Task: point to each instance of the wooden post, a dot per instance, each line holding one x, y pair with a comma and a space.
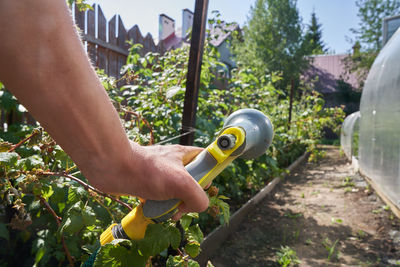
80, 19
194, 69
102, 62
121, 42
112, 56
91, 31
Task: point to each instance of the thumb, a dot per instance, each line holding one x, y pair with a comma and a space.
189, 153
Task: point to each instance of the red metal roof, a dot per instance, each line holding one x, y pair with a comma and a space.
329, 69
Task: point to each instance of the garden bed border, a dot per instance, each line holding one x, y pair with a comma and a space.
393, 207
214, 240
381, 194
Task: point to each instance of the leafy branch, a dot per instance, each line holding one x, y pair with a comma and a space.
58, 220
138, 118
20, 143
86, 186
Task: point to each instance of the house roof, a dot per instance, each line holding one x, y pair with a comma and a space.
188, 10
329, 69
168, 17
172, 42
218, 36
220, 33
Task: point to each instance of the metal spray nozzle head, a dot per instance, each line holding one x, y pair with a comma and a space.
258, 128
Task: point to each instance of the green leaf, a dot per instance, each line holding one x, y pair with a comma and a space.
65, 160
47, 191
58, 195
193, 249
88, 216
61, 206
186, 221
194, 215
5, 146
4, 232
154, 241
72, 224
194, 233
34, 140
39, 254
158, 237
8, 159
75, 194
34, 161
174, 236
223, 206
119, 253
192, 263
173, 91
178, 261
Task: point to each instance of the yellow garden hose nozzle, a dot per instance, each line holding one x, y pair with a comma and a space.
133, 226
247, 133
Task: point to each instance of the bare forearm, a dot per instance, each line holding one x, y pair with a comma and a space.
50, 74
43, 63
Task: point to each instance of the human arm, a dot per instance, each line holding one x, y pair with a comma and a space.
43, 63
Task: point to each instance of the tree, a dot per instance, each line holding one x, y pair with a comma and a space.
371, 14
272, 40
369, 34
313, 38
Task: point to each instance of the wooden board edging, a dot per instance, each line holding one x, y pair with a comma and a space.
381, 194
214, 240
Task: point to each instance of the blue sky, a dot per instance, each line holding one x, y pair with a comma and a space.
336, 16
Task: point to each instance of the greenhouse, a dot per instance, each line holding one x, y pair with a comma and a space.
379, 148
349, 135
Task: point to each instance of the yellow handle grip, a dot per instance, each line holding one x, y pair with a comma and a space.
132, 226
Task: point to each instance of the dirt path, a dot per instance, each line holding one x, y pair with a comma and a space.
326, 214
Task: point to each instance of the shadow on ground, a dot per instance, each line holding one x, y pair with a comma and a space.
321, 215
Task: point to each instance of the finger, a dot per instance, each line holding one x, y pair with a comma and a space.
182, 209
192, 195
189, 153
207, 186
177, 216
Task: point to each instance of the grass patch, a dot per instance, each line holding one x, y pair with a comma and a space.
286, 256
331, 248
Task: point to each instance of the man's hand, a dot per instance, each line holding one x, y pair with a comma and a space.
152, 172
43, 63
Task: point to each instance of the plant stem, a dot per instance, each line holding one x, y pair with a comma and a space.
140, 117
107, 209
58, 221
23, 141
88, 187
184, 257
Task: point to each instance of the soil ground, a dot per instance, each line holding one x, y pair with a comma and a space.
323, 212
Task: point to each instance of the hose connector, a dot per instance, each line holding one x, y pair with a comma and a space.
226, 141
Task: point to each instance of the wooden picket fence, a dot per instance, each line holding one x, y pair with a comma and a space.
106, 44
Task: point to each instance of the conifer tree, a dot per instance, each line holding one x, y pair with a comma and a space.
313, 38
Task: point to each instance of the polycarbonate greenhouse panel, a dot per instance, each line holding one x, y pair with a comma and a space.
349, 135
379, 147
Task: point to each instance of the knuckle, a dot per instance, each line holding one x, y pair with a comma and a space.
181, 148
